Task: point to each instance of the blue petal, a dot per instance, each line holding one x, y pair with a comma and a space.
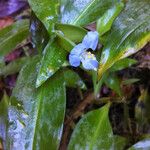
74, 60
78, 49
91, 40
89, 61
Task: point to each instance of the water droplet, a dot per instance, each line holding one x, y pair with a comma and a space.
50, 18
13, 125
105, 56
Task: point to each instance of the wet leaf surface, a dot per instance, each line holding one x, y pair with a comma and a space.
130, 32
13, 35
83, 12
39, 34
52, 60
46, 11
93, 131
105, 22
36, 115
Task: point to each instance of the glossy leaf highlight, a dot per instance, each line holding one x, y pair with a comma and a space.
105, 22
93, 131
36, 115
53, 59
39, 34
46, 11
130, 32
13, 35
83, 12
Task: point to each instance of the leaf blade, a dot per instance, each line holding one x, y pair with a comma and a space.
105, 22
46, 11
52, 60
13, 35
130, 32
93, 134
36, 115
84, 12
4, 103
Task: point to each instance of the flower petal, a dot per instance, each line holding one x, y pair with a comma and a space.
74, 60
91, 40
89, 61
78, 49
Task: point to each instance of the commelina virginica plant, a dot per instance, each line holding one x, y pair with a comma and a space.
73, 90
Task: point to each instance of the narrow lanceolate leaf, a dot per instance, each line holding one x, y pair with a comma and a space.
83, 12
93, 131
13, 35
39, 34
3, 118
52, 60
36, 115
46, 11
105, 22
130, 32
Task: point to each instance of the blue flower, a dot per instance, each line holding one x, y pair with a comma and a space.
79, 52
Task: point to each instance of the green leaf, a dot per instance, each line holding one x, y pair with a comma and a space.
39, 34
141, 145
13, 35
113, 82
122, 64
119, 142
73, 33
52, 60
14, 66
83, 12
130, 81
3, 118
2, 62
72, 79
64, 42
105, 22
142, 109
93, 131
36, 116
130, 32
46, 11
